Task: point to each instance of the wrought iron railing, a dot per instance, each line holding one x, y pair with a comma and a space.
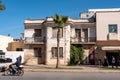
86, 39
34, 39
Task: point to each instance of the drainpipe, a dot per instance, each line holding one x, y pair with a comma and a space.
89, 35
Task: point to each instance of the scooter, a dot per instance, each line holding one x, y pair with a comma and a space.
18, 72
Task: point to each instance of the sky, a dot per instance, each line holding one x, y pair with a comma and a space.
17, 11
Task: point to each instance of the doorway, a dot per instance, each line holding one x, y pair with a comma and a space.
115, 54
39, 55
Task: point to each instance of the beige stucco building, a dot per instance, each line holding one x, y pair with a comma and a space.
15, 46
108, 34
41, 43
97, 31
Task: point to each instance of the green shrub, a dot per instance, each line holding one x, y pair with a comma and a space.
76, 55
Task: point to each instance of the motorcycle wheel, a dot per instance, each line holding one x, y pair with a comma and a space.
8, 72
20, 72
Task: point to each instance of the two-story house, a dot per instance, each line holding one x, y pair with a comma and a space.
41, 39
97, 31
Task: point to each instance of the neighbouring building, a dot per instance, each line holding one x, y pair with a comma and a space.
97, 31
11, 48
108, 34
15, 49
16, 46
4, 41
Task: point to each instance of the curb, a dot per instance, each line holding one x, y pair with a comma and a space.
53, 70
86, 69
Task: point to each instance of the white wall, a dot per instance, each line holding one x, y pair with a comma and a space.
28, 33
64, 42
103, 19
4, 40
13, 55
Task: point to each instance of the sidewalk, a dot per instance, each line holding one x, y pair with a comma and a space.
81, 68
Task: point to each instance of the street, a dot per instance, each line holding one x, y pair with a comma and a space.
63, 76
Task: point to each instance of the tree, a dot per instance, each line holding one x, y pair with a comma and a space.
2, 7
76, 55
60, 22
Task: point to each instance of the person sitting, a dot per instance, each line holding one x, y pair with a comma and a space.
15, 65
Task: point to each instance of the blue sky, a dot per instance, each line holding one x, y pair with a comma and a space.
12, 19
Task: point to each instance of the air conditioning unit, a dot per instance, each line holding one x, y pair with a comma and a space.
113, 36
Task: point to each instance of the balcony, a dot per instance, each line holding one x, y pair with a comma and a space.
34, 40
87, 40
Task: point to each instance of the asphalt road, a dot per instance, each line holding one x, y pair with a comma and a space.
63, 76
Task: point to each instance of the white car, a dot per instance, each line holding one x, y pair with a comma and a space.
4, 63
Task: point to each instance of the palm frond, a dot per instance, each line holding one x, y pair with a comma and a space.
60, 20
64, 19
2, 7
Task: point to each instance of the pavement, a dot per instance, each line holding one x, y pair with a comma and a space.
79, 68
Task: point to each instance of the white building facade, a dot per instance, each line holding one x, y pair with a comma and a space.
4, 41
97, 31
41, 39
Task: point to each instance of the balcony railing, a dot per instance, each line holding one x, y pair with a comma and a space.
84, 40
34, 40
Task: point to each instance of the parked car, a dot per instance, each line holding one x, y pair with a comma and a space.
4, 63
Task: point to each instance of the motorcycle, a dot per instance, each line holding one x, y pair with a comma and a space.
18, 72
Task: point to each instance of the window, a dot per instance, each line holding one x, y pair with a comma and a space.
78, 33
54, 32
38, 32
19, 49
113, 28
54, 52
87, 16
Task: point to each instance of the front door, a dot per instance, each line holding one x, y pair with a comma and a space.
39, 55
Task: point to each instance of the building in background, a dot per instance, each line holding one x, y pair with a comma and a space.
108, 34
4, 41
41, 39
12, 48
16, 46
97, 31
